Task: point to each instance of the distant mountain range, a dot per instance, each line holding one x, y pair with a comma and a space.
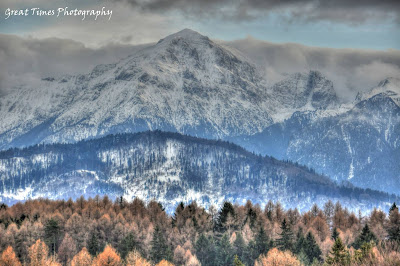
360, 145
171, 168
189, 84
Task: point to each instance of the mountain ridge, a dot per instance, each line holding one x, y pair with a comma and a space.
172, 168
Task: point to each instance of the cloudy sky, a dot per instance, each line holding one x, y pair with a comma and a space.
374, 24
344, 39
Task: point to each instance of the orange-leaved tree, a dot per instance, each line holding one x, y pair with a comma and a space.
52, 261
165, 263
83, 258
135, 259
276, 257
8, 258
38, 253
109, 257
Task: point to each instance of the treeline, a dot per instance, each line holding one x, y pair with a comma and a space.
99, 231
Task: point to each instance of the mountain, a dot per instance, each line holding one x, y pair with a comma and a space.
184, 83
389, 87
302, 92
171, 168
187, 83
360, 145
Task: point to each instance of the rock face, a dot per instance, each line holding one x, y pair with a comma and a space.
302, 92
171, 168
189, 84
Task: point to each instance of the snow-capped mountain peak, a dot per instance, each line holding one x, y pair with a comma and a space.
309, 91
186, 34
389, 87
184, 83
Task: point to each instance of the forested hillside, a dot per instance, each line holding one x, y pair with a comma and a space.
99, 231
170, 168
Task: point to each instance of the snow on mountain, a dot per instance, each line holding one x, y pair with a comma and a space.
302, 92
359, 143
389, 87
171, 168
189, 84
184, 83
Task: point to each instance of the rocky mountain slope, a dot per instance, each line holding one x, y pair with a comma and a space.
171, 168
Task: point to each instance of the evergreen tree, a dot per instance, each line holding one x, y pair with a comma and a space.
226, 210
52, 235
93, 244
225, 255
364, 253
335, 234
302, 257
128, 244
159, 247
366, 236
251, 253
262, 242
339, 254
205, 250
393, 207
393, 228
237, 262
311, 248
177, 213
201, 248
285, 240
252, 216
300, 241
239, 247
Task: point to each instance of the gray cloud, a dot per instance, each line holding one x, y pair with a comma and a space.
345, 11
351, 70
27, 60
127, 25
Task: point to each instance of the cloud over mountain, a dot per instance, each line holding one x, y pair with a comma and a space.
351, 70
27, 60
352, 12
